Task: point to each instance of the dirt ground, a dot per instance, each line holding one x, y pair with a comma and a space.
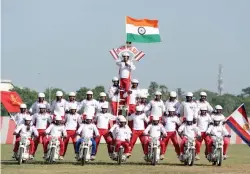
238, 162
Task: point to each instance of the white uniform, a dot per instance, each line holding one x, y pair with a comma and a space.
189, 130
102, 120
72, 121
100, 104
204, 104
221, 116
132, 96
112, 96
19, 118
125, 70
70, 103
35, 107
170, 123
59, 107
169, 104
23, 130
88, 130
188, 109
41, 121
56, 130
138, 121
203, 122
155, 130
157, 108
89, 106
122, 133
217, 130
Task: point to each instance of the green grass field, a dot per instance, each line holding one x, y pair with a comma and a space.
238, 162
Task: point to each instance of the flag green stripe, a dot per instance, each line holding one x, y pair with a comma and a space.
148, 38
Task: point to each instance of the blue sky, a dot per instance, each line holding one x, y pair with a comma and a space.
65, 44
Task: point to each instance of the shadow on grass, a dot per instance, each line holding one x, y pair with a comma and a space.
33, 162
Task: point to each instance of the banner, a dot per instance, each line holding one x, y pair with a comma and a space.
11, 101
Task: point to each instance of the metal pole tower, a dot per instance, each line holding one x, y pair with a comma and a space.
220, 80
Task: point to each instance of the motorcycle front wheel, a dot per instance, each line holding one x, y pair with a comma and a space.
84, 156
119, 157
191, 157
20, 159
51, 155
154, 156
219, 157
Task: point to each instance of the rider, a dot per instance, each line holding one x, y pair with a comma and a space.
59, 105
170, 122
113, 95
172, 101
155, 129
121, 135
203, 121
217, 129
41, 100
138, 126
25, 129
56, 129
72, 101
218, 114
187, 130
203, 103
89, 105
102, 101
87, 130
19, 117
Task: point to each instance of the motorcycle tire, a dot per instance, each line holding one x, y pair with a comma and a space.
84, 156
154, 156
191, 157
20, 159
52, 154
119, 156
219, 157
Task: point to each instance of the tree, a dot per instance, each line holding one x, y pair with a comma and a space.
153, 87
164, 91
50, 94
81, 93
97, 90
246, 92
180, 94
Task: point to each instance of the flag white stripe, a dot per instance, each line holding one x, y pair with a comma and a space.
134, 29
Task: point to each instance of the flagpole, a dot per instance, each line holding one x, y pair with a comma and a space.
125, 33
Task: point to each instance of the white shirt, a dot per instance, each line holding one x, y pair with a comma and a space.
187, 108
112, 95
132, 96
170, 123
89, 106
189, 130
175, 104
157, 108
100, 104
125, 70
88, 130
59, 107
217, 130
203, 122
72, 121
56, 130
35, 107
102, 120
155, 130
70, 103
41, 121
122, 133
19, 118
23, 130
138, 121
204, 104
221, 116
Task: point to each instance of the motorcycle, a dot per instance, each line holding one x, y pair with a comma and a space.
23, 150
120, 157
189, 151
84, 151
216, 157
53, 150
154, 151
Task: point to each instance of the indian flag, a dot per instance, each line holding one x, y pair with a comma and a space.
142, 30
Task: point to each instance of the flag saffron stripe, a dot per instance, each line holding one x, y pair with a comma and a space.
142, 22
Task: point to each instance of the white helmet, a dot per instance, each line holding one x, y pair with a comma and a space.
173, 94
105, 106
155, 118
73, 106
189, 118
122, 119
23, 106
27, 118
134, 81
158, 93
189, 94
203, 94
143, 96
218, 107
103, 94
58, 118
139, 108
42, 106
203, 108
171, 109
89, 93
89, 117
125, 54
59, 94
72, 94
115, 79
41, 95
216, 118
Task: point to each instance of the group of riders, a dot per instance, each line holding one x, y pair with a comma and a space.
103, 118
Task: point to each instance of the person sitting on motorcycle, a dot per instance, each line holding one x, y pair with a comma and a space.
121, 135
22, 130
155, 129
87, 130
187, 130
56, 129
218, 114
217, 129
